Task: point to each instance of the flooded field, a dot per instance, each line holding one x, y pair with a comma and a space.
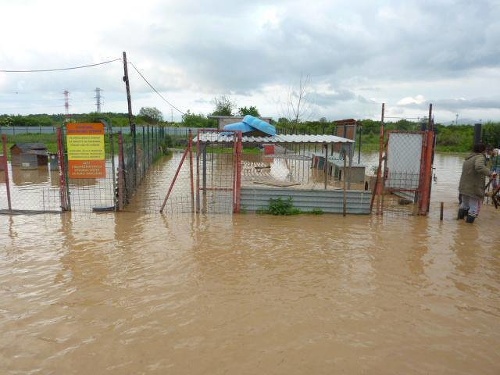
144, 293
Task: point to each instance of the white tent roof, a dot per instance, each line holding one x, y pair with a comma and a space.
225, 137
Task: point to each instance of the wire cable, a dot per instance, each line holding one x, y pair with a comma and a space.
156, 91
89, 66
58, 69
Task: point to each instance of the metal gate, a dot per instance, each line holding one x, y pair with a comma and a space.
208, 177
404, 175
48, 187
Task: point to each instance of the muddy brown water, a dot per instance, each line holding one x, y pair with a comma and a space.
136, 293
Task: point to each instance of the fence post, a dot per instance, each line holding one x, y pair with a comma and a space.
63, 172
428, 159
121, 178
425, 190
6, 170
378, 190
109, 130
238, 170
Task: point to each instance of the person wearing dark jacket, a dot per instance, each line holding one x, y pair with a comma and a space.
471, 185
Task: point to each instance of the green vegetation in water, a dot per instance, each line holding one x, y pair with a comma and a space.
317, 211
281, 207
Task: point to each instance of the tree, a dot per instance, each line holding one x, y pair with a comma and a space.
223, 106
190, 120
5, 120
151, 115
370, 127
252, 111
491, 134
298, 105
283, 121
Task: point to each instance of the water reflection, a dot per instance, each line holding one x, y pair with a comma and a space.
195, 294
28, 177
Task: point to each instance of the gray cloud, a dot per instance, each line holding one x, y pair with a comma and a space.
359, 54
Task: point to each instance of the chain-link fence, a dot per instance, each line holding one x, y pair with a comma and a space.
405, 173
205, 178
30, 181
44, 184
218, 171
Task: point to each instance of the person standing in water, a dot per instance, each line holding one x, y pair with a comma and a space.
495, 167
471, 185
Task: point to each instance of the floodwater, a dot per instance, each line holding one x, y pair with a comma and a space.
137, 293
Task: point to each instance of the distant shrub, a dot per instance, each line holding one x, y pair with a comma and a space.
279, 206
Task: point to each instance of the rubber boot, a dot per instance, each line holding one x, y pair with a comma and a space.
470, 219
462, 213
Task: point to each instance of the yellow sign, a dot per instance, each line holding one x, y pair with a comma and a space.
86, 153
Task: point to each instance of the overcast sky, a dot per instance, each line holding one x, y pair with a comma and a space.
353, 55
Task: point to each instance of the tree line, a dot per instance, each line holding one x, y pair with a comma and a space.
450, 138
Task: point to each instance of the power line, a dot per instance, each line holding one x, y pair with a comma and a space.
156, 91
93, 65
58, 69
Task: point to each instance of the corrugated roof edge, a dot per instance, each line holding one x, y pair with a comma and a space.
279, 138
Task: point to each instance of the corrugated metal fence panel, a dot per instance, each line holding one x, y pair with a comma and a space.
328, 201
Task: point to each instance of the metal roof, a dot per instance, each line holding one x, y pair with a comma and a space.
30, 146
226, 137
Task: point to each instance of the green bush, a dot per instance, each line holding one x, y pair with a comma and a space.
317, 211
279, 206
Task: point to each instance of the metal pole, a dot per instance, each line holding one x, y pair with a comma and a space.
238, 149
6, 170
62, 158
121, 178
477, 133
428, 156
325, 165
109, 130
344, 197
174, 180
359, 129
204, 177
378, 189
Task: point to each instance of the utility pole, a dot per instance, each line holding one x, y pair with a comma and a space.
66, 104
127, 86
130, 121
98, 99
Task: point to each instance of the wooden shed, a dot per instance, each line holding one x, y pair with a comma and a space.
29, 155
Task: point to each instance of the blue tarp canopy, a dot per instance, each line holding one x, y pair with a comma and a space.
251, 124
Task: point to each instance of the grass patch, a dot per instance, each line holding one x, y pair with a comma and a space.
48, 139
280, 207
317, 211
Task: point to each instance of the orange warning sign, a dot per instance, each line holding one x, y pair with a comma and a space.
86, 152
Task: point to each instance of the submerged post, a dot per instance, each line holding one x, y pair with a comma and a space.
344, 197
6, 170
130, 121
427, 160
325, 165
